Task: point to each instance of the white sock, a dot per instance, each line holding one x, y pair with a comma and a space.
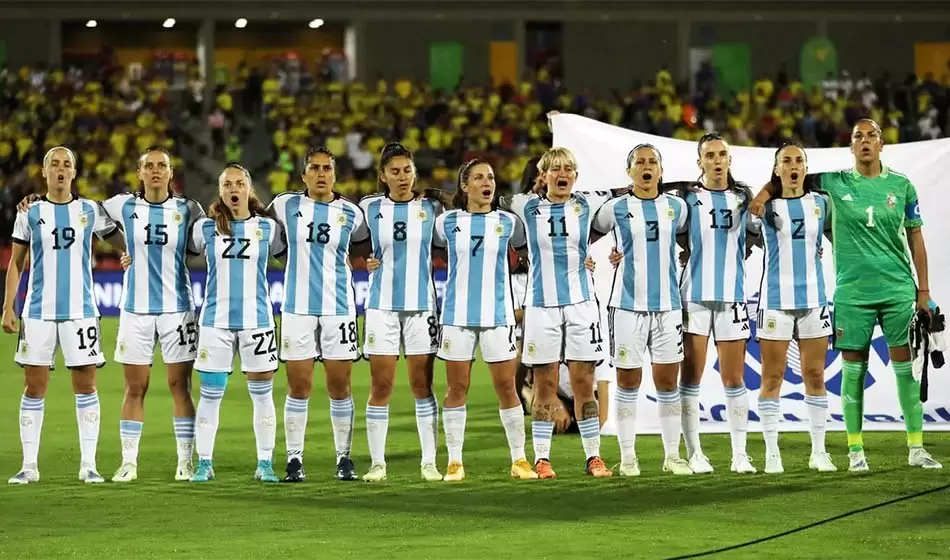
817, 420
377, 426
206, 416
769, 413
689, 398
590, 436
670, 411
737, 408
453, 420
31, 426
513, 421
87, 416
184, 437
265, 418
341, 418
130, 432
295, 426
626, 402
541, 433
427, 424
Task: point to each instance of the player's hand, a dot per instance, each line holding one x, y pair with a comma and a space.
589, 264
684, 257
757, 208
9, 321
372, 264
562, 420
125, 260
615, 257
24, 204
923, 303
551, 115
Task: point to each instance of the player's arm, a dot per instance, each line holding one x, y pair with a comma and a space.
827, 226
918, 250
21, 240
603, 223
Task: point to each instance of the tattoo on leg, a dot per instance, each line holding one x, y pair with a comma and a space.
543, 412
589, 410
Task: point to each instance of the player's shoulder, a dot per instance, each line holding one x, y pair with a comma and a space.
285, 197
506, 215
673, 199
452, 213
895, 177
365, 202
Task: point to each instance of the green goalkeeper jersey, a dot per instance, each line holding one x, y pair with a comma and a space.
869, 222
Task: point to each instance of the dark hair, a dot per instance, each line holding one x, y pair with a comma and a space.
659, 182
460, 200
314, 151
221, 213
739, 188
530, 175
775, 182
141, 162
390, 151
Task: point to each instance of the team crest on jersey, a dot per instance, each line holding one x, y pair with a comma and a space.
578, 209
531, 349
670, 213
177, 217
341, 219
83, 220
891, 200
259, 233
499, 229
203, 355
623, 352
817, 211
422, 215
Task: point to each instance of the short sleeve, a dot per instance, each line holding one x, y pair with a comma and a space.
360, 230
682, 217
437, 208
104, 226
604, 219
518, 239
113, 207
596, 199
21, 228
196, 244
278, 208
195, 211
827, 209
438, 237
912, 218
518, 203
278, 240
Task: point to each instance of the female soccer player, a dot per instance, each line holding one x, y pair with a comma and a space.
60, 308
237, 316
319, 311
713, 289
645, 307
562, 319
877, 207
401, 306
792, 302
478, 310
156, 303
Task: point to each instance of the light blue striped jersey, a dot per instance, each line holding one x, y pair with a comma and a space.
717, 245
478, 284
318, 280
558, 235
236, 290
156, 236
792, 230
59, 237
401, 233
645, 232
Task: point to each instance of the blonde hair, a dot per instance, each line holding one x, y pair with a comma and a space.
554, 156
49, 155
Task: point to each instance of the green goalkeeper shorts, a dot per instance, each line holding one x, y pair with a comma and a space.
854, 324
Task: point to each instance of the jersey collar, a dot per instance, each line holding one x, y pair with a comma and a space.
884, 172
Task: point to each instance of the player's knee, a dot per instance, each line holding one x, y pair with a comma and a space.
814, 378
135, 389
34, 389
300, 386
381, 387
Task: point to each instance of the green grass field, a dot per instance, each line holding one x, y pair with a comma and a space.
486, 516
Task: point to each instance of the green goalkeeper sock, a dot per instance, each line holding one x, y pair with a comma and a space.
852, 402
908, 393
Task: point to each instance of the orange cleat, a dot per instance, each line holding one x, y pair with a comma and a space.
544, 470
597, 468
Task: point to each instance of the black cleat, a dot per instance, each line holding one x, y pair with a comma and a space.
345, 469
295, 471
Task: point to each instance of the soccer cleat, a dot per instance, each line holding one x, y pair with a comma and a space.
699, 463
345, 469
265, 472
742, 464
430, 473
857, 462
295, 471
126, 473
630, 468
90, 475
544, 470
205, 471
377, 473
675, 465
597, 468
26, 476
521, 469
821, 462
919, 457
185, 471
773, 464
455, 472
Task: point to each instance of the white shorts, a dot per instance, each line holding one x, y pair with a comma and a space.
177, 335
775, 324
457, 344
554, 334
723, 321
417, 332
216, 349
633, 333
308, 337
79, 340
519, 286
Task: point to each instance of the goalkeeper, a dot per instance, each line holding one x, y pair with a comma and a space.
876, 218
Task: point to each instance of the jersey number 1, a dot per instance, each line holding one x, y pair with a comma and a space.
870, 212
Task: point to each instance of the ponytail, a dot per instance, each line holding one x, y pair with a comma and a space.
222, 215
460, 200
390, 151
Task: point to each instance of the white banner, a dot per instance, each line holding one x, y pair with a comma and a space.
601, 151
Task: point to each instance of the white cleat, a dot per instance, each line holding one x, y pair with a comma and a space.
742, 464
675, 465
377, 473
821, 462
699, 463
630, 468
126, 473
773, 464
919, 457
185, 471
90, 475
857, 462
430, 473
26, 476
